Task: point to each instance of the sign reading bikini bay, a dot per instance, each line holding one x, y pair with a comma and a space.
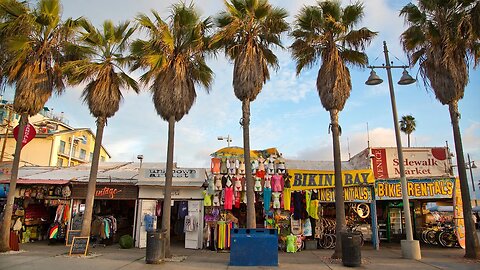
306, 179
436, 188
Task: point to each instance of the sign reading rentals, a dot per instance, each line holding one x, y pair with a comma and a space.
417, 189
350, 194
419, 162
305, 179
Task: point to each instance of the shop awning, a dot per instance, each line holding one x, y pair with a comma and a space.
37, 182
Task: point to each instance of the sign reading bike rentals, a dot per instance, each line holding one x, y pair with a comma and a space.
417, 189
419, 162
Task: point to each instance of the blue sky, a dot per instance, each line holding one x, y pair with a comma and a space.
287, 114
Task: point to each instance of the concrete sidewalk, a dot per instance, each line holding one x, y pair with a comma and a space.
44, 257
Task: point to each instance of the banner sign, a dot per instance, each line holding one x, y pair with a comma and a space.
350, 194
417, 189
177, 173
458, 214
419, 162
305, 179
28, 134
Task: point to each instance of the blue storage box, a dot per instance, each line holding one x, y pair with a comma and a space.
254, 247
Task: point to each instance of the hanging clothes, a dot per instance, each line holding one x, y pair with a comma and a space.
299, 205
228, 198
267, 194
286, 199
182, 209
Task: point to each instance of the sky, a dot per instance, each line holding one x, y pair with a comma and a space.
287, 114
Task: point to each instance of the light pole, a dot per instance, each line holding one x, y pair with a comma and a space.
229, 140
471, 165
72, 141
410, 247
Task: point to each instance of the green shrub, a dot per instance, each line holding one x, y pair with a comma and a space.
126, 241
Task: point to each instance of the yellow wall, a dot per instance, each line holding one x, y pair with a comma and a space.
46, 151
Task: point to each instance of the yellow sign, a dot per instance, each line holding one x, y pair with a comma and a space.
458, 214
304, 179
417, 188
350, 194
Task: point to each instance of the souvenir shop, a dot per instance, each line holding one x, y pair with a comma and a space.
41, 210
390, 214
225, 193
113, 210
187, 212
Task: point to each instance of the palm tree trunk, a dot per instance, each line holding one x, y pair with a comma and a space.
339, 202
408, 137
167, 208
251, 220
92, 180
7, 214
472, 248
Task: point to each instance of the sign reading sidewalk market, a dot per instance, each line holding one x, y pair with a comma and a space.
305, 179
419, 162
436, 188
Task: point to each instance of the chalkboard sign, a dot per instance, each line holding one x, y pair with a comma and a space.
70, 235
79, 245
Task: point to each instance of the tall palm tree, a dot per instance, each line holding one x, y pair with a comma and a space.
102, 69
34, 45
325, 33
248, 29
443, 38
174, 60
408, 125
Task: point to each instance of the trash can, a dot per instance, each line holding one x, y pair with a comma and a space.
155, 247
351, 253
254, 247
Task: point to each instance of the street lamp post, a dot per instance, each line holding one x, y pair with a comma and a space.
471, 165
72, 141
410, 247
229, 140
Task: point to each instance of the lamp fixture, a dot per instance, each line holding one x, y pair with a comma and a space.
406, 78
373, 79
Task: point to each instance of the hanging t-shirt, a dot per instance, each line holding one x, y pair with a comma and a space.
307, 227
299, 205
182, 209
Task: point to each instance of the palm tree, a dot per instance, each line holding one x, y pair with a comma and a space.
34, 45
174, 60
247, 31
408, 125
443, 38
325, 33
102, 69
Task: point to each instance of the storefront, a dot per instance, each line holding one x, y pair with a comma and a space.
429, 179
113, 210
388, 194
318, 188
41, 209
187, 213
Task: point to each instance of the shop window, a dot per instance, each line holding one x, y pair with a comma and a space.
62, 147
83, 153
91, 156
60, 162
